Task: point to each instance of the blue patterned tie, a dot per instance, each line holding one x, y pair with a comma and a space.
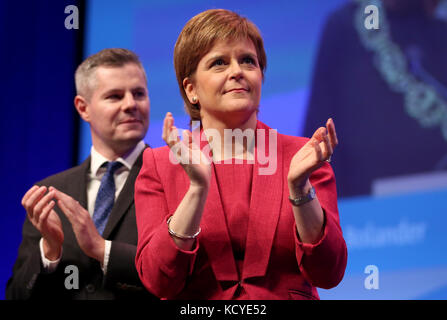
105, 197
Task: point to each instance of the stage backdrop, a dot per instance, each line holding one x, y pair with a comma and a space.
394, 231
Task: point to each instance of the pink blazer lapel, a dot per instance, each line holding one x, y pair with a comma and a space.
265, 205
217, 243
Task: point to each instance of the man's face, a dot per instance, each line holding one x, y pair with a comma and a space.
118, 110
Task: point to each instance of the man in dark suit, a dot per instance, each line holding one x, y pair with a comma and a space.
80, 234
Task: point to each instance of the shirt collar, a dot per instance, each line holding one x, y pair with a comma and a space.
97, 159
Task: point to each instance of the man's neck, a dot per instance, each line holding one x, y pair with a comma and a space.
113, 153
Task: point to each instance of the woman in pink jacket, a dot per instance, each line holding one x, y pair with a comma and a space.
235, 210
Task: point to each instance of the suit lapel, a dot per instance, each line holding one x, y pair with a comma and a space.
217, 243
265, 207
77, 188
125, 198
74, 185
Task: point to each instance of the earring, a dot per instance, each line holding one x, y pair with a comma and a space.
194, 99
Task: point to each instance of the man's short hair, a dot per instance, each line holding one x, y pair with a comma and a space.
114, 57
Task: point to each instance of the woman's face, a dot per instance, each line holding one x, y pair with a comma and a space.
227, 83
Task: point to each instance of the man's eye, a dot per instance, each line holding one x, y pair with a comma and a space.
114, 97
140, 94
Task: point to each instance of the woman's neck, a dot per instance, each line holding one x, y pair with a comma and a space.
231, 139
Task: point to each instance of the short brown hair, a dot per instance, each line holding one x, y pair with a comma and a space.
114, 57
198, 37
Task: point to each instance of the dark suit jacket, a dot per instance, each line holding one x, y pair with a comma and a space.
121, 280
277, 265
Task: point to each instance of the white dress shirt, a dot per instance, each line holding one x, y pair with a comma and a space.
94, 177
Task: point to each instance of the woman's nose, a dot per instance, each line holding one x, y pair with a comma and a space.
235, 70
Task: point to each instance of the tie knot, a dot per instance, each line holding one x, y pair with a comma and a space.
112, 166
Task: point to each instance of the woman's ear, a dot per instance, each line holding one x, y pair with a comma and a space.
190, 90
